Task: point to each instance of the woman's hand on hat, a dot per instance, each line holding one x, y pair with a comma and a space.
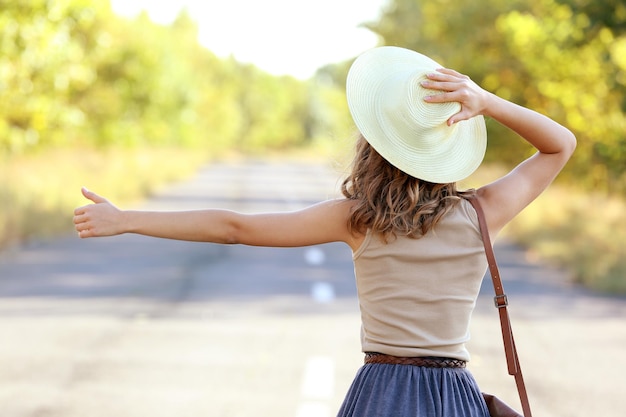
458, 88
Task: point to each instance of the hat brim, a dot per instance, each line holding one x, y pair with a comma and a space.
462, 146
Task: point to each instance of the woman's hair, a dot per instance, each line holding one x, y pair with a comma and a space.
390, 202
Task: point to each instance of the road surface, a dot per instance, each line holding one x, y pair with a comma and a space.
133, 327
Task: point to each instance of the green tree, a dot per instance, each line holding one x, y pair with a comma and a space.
580, 78
42, 61
274, 111
560, 59
72, 72
609, 14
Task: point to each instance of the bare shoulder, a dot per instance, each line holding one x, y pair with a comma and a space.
353, 238
336, 215
338, 209
494, 208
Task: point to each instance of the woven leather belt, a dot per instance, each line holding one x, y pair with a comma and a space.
427, 361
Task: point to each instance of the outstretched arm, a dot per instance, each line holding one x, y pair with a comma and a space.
321, 223
506, 197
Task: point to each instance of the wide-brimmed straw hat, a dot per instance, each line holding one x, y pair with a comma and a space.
386, 101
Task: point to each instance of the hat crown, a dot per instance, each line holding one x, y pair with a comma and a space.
386, 101
423, 125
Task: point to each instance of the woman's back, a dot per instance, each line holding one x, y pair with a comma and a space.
417, 295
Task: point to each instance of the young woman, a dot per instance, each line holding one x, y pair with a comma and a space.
416, 243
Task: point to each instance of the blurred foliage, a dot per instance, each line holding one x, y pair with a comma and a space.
73, 73
122, 105
561, 229
39, 191
79, 83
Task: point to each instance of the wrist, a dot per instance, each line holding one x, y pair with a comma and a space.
125, 222
491, 104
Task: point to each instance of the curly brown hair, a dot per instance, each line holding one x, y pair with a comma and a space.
390, 202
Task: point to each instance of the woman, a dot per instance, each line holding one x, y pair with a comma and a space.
416, 244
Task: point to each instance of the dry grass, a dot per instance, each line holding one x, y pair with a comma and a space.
584, 233
39, 192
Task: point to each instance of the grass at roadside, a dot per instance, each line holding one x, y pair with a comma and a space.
584, 233
39, 192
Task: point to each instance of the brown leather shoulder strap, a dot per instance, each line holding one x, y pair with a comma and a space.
501, 302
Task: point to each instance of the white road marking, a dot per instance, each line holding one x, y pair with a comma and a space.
318, 378
314, 256
322, 292
313, 409
317, 387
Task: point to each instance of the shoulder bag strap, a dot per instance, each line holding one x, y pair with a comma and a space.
501, 302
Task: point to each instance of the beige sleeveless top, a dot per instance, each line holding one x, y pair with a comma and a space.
417, 295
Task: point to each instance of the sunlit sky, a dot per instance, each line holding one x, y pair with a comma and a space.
293, 37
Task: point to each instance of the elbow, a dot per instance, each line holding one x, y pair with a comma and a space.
223, 227
570, 143
231, 235
571, 140
562, 143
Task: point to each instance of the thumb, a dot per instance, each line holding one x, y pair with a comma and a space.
459, 117
90, 195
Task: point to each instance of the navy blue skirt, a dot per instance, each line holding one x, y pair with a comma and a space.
383, 390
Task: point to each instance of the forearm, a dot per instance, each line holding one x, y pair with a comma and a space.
198, 225
546, 135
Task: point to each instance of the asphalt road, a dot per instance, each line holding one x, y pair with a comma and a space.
132, 326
